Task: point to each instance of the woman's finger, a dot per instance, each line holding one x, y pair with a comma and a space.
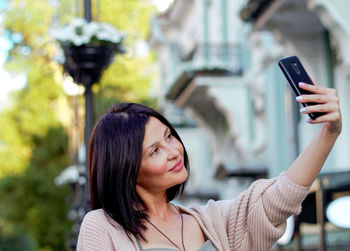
316, 98
315, 88
327, 108
329, 117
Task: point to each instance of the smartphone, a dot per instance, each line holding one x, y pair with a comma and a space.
294, 72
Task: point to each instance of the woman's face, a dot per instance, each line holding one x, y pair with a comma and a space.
162, 164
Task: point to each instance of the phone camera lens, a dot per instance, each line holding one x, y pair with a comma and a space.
295, 67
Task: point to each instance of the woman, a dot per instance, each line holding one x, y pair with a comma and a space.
138, 164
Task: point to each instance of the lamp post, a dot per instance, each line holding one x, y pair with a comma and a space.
87, 10
89, 111
85, 64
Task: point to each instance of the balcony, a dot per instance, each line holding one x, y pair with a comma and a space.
204, 59
291, 18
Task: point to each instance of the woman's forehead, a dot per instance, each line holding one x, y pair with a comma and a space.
154, 125
154, 129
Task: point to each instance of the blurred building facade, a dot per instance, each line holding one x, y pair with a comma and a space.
217, 60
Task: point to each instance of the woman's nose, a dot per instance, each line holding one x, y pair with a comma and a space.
173, 153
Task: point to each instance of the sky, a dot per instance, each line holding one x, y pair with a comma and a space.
162, 5
10, 82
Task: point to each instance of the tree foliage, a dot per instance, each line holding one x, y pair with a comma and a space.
128, 78
31, 202
33, 137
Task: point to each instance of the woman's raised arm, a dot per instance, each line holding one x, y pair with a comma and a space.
307, 166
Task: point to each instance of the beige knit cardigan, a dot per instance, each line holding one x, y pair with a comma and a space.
253, 221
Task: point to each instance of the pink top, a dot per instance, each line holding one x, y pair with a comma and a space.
253, 221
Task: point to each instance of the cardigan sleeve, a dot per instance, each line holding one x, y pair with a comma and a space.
257, 218
93, 235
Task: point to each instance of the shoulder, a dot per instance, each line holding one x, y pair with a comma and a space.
95, 223
99, 220
97, 215
94, 215
99, 232
95, 218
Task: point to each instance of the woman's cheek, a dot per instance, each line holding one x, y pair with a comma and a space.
180, 148
157, 166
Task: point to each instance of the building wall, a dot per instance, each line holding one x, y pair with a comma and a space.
258, 105
196, 142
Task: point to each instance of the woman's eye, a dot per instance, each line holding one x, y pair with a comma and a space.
155, 151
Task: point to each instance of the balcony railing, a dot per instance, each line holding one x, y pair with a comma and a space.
206, 57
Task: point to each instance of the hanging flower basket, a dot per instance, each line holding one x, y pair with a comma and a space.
87, 61
88, 48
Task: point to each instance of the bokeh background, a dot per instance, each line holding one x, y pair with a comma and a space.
210, 67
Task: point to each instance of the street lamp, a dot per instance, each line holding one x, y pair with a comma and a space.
85, 62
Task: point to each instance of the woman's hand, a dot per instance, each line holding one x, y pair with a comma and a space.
307, 166
327, 102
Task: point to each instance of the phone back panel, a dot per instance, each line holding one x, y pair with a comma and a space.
295, 72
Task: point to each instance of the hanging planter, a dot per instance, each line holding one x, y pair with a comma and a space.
87, 61
88, 48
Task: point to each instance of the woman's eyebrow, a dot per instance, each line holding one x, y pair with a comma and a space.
165, 132
155, 143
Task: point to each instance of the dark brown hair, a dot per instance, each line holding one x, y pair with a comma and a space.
115, 153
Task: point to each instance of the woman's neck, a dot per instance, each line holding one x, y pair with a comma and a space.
160, 212
156, 205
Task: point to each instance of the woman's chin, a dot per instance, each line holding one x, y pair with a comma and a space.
180, 178
184, 176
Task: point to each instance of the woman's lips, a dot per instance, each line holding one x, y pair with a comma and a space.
178, 166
